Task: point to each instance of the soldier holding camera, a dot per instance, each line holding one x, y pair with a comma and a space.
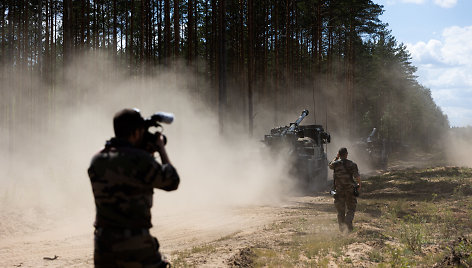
123, 177
345, 189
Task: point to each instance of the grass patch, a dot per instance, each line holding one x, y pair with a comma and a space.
180, 258
304, 243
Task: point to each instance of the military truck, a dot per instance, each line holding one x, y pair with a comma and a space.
303, 146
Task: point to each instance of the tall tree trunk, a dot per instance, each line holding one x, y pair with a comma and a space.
176, 29
277, 64
150, 31
53, 41
159, 31
195, 32
320, 38
26, 35
95, 27
126, 32
142, 33
39, 43
264, 62
115, 28
47, 62
222, 65
213, 44
132, 56
288, 35
191, 35
167, 37
87, 27
250, 65
350, 75
104, 29
3, 35
67, 31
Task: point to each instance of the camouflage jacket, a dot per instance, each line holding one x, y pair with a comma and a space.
344, 172
123, 179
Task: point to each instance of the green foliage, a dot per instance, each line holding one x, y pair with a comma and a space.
464, 249
401, 258
413, 235
392, 100
376, 255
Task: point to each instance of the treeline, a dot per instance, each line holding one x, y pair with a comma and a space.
334, 56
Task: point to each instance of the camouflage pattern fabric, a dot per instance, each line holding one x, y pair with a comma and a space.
344, 199
345, 203
123, 179
115, 248
344, 172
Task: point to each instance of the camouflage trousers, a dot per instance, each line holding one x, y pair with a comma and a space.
345, 203
126, 248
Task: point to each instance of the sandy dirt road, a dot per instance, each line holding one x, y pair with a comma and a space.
36, 243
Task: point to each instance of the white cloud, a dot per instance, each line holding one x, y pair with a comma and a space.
446, 3
445, 66
441, 3
414, 1
458, 116
458, 45
426, 52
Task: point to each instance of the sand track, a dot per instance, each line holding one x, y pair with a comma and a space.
73, 242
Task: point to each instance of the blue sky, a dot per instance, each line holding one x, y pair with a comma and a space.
438, 35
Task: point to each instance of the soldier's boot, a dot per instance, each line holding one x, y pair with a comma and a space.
341, 222
348, 220
350, 228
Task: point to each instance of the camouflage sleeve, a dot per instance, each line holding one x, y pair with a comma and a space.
168, 180
163, 177
354, 170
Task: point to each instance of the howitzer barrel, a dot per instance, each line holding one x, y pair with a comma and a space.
372, 135
299, 120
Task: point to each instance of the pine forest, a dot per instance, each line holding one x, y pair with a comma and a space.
334, 57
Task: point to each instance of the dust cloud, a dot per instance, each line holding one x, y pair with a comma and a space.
458, 146
43, 178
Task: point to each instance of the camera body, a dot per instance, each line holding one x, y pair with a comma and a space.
332, 192
150, 139
356, 190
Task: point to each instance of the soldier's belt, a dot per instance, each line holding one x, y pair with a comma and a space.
121, 231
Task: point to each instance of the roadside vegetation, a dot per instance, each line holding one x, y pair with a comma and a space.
407, 218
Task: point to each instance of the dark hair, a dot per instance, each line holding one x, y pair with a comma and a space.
126, 122
342, 151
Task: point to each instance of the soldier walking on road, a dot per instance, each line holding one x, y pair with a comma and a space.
123, 177
346, 189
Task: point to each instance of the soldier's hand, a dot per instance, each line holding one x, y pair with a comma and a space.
160, 143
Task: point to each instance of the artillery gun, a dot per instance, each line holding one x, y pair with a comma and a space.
374, 149
303, 147
377, 150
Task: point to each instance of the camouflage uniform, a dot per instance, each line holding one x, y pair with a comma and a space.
344, 172
123, 178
